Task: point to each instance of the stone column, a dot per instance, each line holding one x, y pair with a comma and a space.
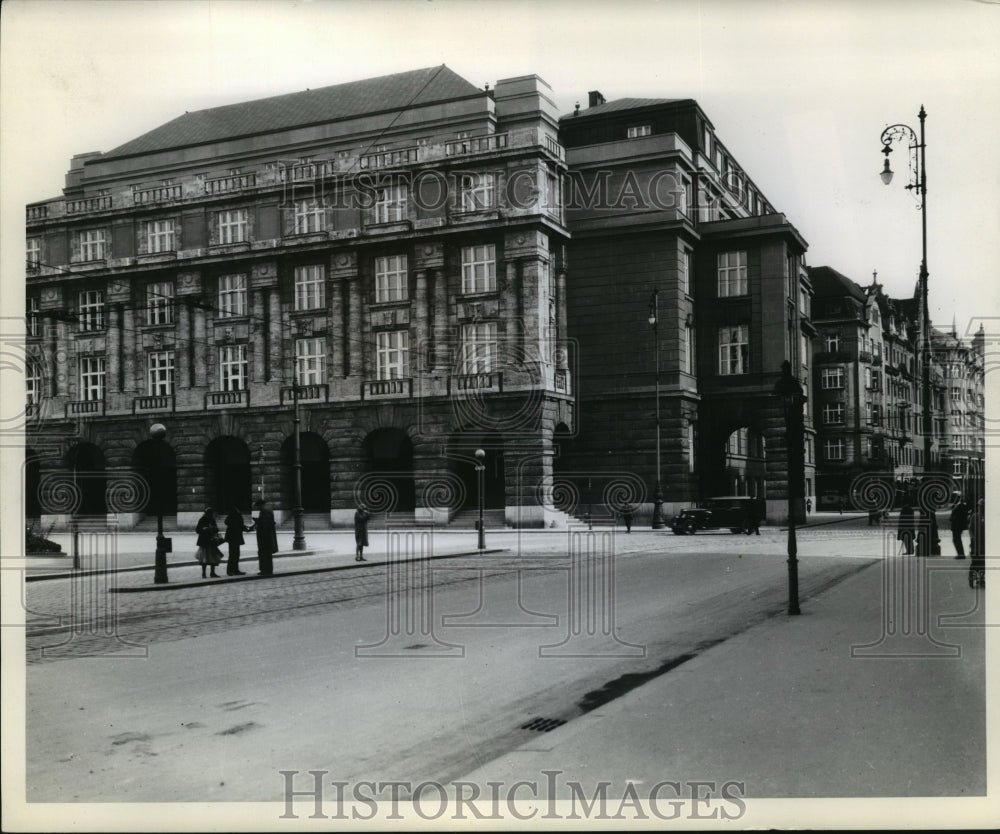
561, 319
60, 357
199, 347
419, 324
114, 346
355, 326
129, 338
260, 336
337, 367
442, 352
182, 358
277, 344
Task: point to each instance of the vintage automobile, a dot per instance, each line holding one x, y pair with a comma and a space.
738, 513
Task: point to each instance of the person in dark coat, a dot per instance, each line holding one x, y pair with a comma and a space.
208, 552
905, 528
627, 518
959, 523
928, 540
235, 528
361, 532
267, 538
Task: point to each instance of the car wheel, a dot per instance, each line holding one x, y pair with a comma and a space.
690, 528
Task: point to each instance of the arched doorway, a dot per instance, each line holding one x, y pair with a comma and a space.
227, 465
390, 451
462, 462
155, 461
744, 463
85, 462
314, 455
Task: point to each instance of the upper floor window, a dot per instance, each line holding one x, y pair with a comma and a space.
91, 378
160, 236
392, 354
233, 367
831, 378
310, 287
685, 271
91, 310
32, 382
732, 273
31, 316
479, 269
391, 278
159, 303
478, 191
309, 217
232, 295
833, 449
734, 350
479, 347
33, 252
233, 225
310, 361
93, 245
833, 413
160, 373
636, 131
390, 204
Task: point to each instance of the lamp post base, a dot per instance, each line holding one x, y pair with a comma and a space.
160, 562
658, 522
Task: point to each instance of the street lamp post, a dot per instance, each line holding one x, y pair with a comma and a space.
163, 545
480, 476
658, 489
789, 390
299, 539
918, 184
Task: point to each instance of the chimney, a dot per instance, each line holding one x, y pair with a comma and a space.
595, 98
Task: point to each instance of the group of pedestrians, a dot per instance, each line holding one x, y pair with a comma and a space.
210, 539
918, 532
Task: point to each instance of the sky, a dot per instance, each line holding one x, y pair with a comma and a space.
798, 91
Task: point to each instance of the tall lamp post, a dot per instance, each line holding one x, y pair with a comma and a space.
299, 539
918, 183
480, 477
792, 397
163, 545
658, 489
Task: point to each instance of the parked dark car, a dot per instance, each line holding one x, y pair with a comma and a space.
738, 513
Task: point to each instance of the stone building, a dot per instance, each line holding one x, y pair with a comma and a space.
381, 264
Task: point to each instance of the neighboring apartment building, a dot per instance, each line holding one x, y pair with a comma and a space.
666, 224
387, 254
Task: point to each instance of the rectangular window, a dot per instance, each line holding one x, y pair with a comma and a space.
310, 361
310, 216
33, 252
93, 245
232, 296
91, 311
832, 342
33, 382
233, 226
479, 269
233, 367
392, 354
478, 192
31, 316
391, 278
159, 303
310, 290
479, 347
877, 380
160, 236
833, 449
831, 378
92, 378
868, 378
732, 274
636, 131
804, 302
685, 272
734, 350
876, 415
160, 373
390, 204
833, 413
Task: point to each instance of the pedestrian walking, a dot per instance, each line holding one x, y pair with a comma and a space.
928, 540
235, 528
959, 522
809, 505
627, 518
208, 554
904, 528
267, 538
360, 532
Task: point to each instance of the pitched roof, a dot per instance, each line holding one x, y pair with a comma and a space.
339, 101
620, 104
827, 283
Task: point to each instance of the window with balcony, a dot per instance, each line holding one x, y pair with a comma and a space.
833, 414
478, 191
233, 367
831, 342
310, 361
232, 226
93, 245
310, 216
831, 378
160, 373
391, 278
479, 347
392, 354
310, 287
635, 131
232, 296
161, 236
33, 252
390, 204
91, 378
833, 449
734, 350
732, 267
479, 269
91, 310
160, 303
33, 382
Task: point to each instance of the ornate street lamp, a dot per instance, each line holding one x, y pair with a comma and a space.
792, 397
918, 183
480, 474
157, 433
654, 316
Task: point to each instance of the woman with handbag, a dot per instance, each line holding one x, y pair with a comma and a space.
208, 537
